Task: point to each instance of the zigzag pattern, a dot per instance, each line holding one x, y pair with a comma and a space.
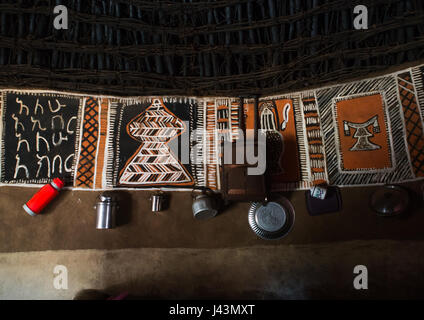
154, 163
318, 125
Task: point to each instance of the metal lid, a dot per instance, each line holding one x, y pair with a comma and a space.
206, 214
108, 197
389, 200
272, 220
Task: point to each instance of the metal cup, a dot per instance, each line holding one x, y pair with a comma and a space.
106, 207
158, 202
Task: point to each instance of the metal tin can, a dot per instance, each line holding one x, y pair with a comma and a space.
106, 208
158, 201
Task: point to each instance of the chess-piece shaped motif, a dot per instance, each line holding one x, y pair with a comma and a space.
362, 134
153, 163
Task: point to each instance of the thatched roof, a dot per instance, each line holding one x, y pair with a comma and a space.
227, 48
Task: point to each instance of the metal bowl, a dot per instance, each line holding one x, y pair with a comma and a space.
271, 220
389, 200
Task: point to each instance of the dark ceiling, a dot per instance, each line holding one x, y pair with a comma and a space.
201, 48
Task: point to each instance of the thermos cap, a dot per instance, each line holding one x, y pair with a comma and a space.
108, 196
59, 183
29, 211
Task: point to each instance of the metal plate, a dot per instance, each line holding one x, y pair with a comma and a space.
270, 217
390, 200
271, 220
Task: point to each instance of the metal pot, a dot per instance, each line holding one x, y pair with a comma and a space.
390, 200
204, 207
106, 208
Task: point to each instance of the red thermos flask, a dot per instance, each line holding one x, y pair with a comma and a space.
42, 198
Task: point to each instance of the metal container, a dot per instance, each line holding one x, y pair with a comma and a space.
272, 220
158, 202
204, 207
390, 200
106, 208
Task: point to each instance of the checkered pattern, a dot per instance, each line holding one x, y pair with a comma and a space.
413, 123
86, 162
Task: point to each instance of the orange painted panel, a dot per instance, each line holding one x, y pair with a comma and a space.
363, 133
289, 161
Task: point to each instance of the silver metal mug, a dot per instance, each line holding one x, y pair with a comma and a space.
106, 208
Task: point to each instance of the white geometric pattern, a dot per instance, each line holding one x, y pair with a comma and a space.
154, 162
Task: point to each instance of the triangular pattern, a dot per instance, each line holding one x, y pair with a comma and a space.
154, 163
